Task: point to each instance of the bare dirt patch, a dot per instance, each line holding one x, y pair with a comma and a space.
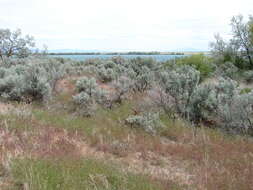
154, 165
67, 86
157, 166
107, 86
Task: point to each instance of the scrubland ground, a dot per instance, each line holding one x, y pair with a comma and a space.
48, 147
127, 124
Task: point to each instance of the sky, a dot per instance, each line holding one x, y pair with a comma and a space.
117, 25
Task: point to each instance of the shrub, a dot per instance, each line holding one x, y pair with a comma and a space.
222, 103
237, 116
248, 75
178, 85
89, 95
245, 91
139, 62
122, 87
227, 69
88, 85
208, 99
234, 110
226, 105
202, 103
106, 75
36, 87
130, 73
86, 105
108, 71
34, 80
109, 64
118, 60
150, 122
200, 62
144, 80
141, 71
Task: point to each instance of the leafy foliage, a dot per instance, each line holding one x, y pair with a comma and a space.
239, 49
200, 62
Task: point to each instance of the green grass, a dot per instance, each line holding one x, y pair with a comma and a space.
75, 175
109, 123
201, 147
12, 122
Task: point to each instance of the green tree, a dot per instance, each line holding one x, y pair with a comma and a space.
239, 48
241, 37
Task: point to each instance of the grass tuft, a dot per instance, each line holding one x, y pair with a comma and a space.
75, 175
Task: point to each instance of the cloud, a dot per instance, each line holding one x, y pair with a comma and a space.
117, 24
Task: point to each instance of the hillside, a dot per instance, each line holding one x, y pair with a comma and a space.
89, 125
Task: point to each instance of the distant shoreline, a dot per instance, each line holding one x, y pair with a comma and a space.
118, 53
128, 53
81, 56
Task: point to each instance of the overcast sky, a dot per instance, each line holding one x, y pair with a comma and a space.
117, 25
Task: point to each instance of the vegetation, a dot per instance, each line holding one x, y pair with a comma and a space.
12, 43
200, 62
128, 123
31, 81
239, 49
150, 122
80, 174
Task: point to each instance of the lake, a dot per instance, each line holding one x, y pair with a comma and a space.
85, 57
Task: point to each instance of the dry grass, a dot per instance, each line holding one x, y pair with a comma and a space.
45, 142
179, 157
217, 161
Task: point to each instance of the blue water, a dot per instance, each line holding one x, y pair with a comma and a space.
85, 57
